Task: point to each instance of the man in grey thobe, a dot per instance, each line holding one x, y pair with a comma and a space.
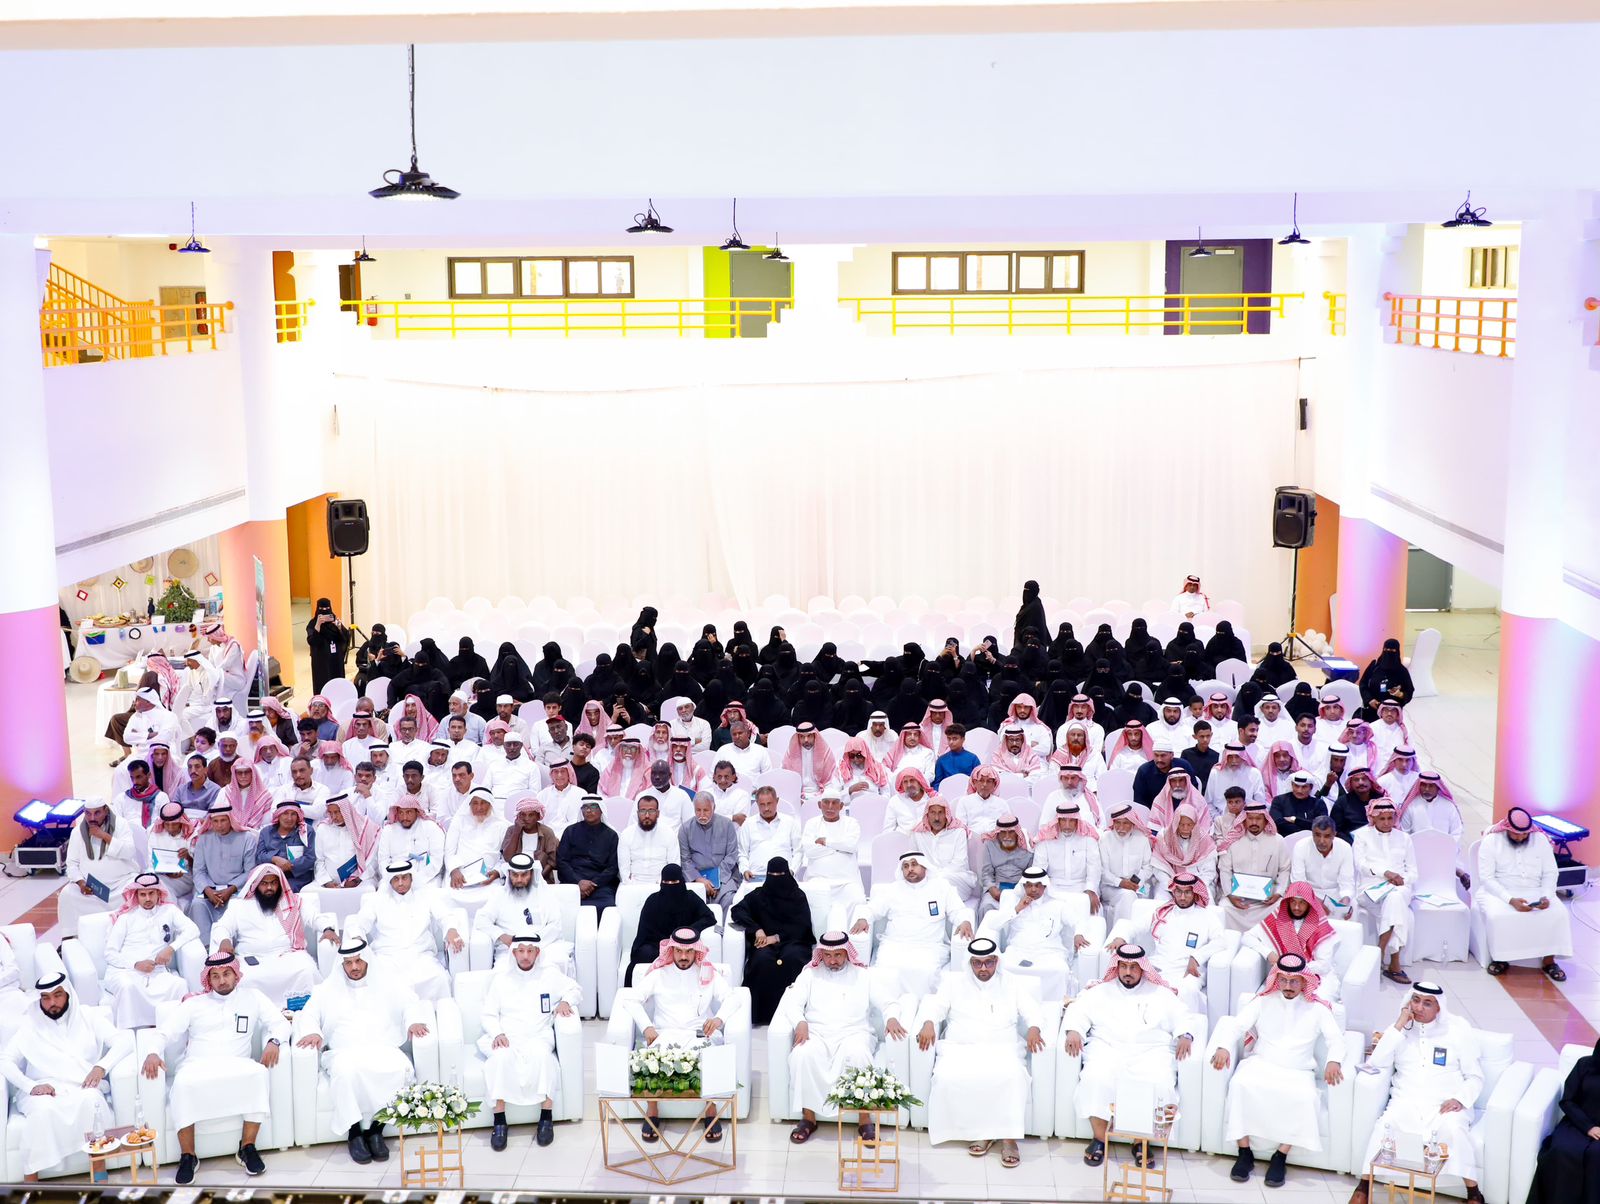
710, 842
223, 859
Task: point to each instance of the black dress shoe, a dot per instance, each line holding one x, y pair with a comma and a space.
186, 1168
376, 1144
498, 1135
356, 1143
1095, 1154
1243, 1165
545, 1133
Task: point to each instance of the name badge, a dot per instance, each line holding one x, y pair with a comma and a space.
544, 1003
933, 908
1193, 942
241, 1024
1441, 1055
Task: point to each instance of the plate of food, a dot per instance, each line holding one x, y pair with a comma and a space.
103, 1146
139, 1138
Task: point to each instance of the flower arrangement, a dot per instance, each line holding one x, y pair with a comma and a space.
428, 1106
666, 1069
863, 1087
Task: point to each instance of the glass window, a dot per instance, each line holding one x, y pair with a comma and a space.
545, 276
944, 273
616, 277
911, 273
583, 277
1031, 271
989, 273
1066, 272
499, 278
466, 278
542, 278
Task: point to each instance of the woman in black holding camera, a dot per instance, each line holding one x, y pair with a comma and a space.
329, 641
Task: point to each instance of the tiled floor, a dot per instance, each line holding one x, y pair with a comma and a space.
1454, 731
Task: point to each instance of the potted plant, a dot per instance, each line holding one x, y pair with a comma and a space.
177, 605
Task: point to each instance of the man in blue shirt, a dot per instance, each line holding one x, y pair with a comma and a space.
957, 759
289, 844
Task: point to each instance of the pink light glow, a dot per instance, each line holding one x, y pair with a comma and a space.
1372, 589
1542, 744
34, 761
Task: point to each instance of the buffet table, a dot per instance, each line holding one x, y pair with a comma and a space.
114, 647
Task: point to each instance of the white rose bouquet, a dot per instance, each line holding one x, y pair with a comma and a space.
862, 1087
427, 1106
666, 1069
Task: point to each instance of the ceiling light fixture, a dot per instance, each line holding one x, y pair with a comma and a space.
649, 222
1294, 237
1202, 251
776, 255
416, 183
735, 243
362, 256
1467, 215
194, 246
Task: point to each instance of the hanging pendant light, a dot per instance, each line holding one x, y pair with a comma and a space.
415, 183
649, 222
1202, 251
1294, 238
1467, 215
735, 243
776, 255
194, 246
362, 256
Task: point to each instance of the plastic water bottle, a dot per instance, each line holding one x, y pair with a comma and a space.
1386, 1149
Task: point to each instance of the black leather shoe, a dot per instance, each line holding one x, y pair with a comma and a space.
186, 1168
1243, 1165
545, 1133
1095, 1153
498, 1136
376, 1144
356, 1143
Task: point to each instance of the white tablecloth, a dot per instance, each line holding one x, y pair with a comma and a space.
114, 647
109, 701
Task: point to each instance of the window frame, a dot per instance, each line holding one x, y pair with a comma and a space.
1012, 273
1503, 258
517, 261
1050, 258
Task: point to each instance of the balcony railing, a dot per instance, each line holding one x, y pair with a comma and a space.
1152, 313
290, 317
1336, 312
1472, 325
710, 317
87, 334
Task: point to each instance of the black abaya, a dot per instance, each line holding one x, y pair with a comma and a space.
778, 907
466, 663
1030, 615
1569, 1160
672, 907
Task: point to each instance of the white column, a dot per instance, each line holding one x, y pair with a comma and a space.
817, 313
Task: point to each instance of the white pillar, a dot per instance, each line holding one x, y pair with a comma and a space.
817, 313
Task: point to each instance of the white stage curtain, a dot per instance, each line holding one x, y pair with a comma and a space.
1109, 483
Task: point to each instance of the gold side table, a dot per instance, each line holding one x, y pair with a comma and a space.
1136, 1178
876, 1160
438, 1157
136, 1156
673, 1159
1422, 1181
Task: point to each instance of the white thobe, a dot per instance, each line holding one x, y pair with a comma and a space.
698, 731
1063, 798
1438, 814
918, 920
138, 936
761, 840
1205, 869
1194, 931
1388, 737
732, 802
1180, 734
561, 807
363, 1026
280, 970
335, 847
507, 914
313, 800
1040, 939
845, 777
947, 856
901, 814
1128, 1033
641, 854
1122, 857
833, 875
1263, 855
1073, 863
749, 762
1331, 875
422, 844
337, 780
1432, 1063
1223, 731
147, 727
1094, 741
521, 1004
1397, 785
1273, 1096
445, 802
114, 865
1190, 606
880, 746
1035, 735
1313, 756
921, 759
1322, 964
179, 886
508, 779
1127, 761
1378, 852
355, 748
1280, 730
677, 1004
61, 1053
471, 840
218, 1075
836, 1006
981, 814
407, 930
1246, 777
981, 1055
1524, 871
401, 753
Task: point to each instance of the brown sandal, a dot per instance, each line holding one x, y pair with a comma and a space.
802, 1132
1008, 1154
979, 1149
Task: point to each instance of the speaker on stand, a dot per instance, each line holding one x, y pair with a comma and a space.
349, 531
1294, 525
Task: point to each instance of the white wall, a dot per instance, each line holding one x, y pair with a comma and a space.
134, 271
1446, 261
1469, 593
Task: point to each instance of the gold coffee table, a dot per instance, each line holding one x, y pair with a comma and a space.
669, 1160
1138, 1180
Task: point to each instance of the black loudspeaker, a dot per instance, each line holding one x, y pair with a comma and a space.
348, 527
1294, 517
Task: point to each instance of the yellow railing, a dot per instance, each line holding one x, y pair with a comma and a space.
1473, 325
716, 317
290, 317
1186, 313
1336, 312
77, 334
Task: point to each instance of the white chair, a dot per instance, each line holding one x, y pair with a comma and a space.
785, 781
835, 740
1337, 1104
212, 1138
313, 1089
1424, 651
981, 742
1438, 934
1355, 962
619, 928
378, 690
342, 905
1039, 1115
1505, 1081
883, 857
895, 1056
85, 959
579, 925
1219, 986
1114, 786
955, 786
1191, 1089
621, 1030
462, 1064
1346, 691
339, 690
1533, 1118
